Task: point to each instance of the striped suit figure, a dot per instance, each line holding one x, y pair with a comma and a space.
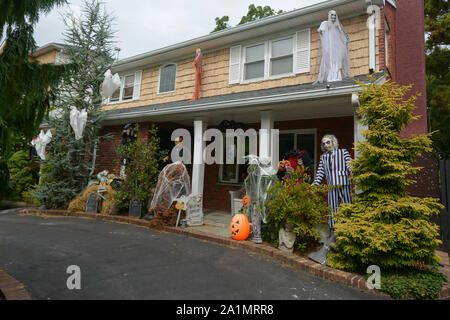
334, 165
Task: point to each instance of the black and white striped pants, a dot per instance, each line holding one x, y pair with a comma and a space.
338, 195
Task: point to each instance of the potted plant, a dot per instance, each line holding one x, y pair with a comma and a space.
294, 208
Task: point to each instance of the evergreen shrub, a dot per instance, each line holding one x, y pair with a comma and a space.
385, 226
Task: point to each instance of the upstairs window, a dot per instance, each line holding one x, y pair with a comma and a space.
271, 59
129, 89
254, 62
167, 76
281, 60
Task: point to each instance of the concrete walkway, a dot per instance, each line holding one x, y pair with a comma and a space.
214, 222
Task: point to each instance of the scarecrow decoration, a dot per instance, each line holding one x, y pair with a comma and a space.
261, 175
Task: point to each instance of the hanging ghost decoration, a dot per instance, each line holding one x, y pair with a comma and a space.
41, 142
110, 84
78, 121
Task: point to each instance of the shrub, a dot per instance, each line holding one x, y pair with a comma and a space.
421, 282
299, 203
23, 173
385, 226
141, 171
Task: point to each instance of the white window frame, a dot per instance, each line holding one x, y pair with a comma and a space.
122, 84
294, 132
268, 59
244, 61
221, 167
287, 74
304, 131
159, 78
122, 87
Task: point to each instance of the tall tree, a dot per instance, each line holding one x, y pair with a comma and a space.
89, 45
253, 14
437, 28
221, 23
259, 12
26, 87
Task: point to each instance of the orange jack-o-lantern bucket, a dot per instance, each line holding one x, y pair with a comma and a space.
283, 164
245, 200
240, 227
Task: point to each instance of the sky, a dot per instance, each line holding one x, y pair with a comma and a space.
146, 25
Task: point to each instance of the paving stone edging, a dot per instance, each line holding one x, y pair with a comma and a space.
11, 289
289, 259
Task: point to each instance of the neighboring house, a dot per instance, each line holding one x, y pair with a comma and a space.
50, 53
261, 74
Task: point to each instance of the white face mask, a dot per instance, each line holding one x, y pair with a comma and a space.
327, 144
333, 17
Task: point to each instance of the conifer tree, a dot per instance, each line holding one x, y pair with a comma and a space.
26, 87
89, 44
385, 226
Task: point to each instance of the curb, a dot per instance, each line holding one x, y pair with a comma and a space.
289, 259
11, 289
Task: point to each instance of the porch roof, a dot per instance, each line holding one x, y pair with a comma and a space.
281, 99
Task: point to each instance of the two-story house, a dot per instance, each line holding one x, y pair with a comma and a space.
261, 74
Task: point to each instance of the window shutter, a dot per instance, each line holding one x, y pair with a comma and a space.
235, 65
137, 84
303, 51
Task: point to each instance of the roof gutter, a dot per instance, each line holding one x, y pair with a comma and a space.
278, 98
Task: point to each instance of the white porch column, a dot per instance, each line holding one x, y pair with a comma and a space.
264, 134
358, 127
198, 167
194, 207
372, 38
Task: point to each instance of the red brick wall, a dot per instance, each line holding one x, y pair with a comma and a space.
410, 57
106, 154
388, 16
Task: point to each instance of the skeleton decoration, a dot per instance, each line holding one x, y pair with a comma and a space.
335, 53
41, 142
110, 84
78, 121
261, 175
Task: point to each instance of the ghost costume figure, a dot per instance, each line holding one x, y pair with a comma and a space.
335, 56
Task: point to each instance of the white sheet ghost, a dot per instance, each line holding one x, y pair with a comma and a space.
78, 121
41, 142
110, 84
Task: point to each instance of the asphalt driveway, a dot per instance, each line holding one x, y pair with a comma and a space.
121, 261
